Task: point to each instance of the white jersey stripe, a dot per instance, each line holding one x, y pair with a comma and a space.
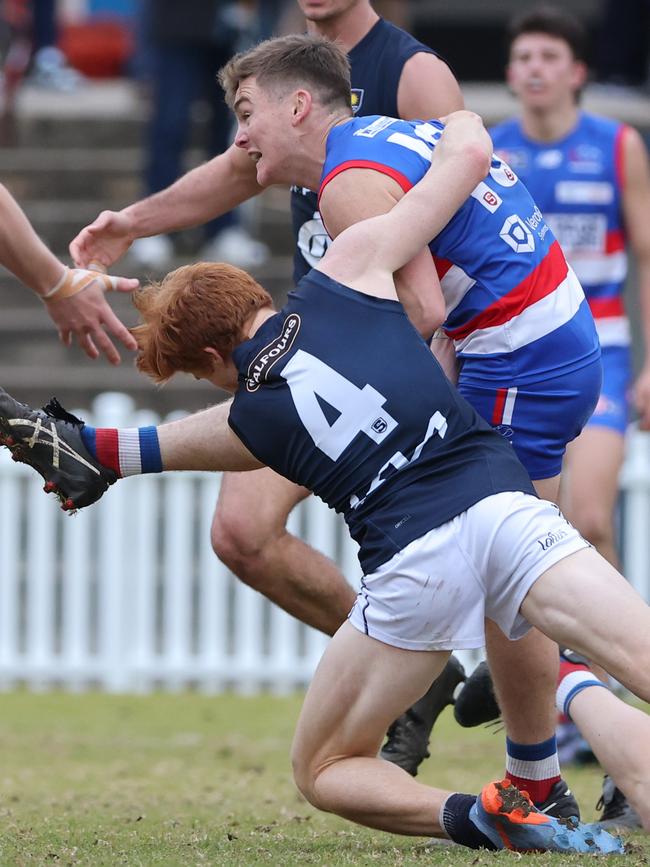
598, 269
537, 320
613, 331
455, 285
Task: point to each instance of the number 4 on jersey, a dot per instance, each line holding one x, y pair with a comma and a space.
360, 409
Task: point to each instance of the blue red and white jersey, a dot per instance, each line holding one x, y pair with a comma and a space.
515, 309
376, 64
340, 394
577, 183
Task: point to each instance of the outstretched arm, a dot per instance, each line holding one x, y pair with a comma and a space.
215, 446
374, 249
74, 299
203, 193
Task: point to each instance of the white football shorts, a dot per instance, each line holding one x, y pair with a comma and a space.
436, 592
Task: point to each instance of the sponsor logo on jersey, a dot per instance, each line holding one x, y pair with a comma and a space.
585, 159
586, 233
551, 539
584, 192
517, 235
356, 99
550, 159
376, 127
487, 197
258, 369
503, 174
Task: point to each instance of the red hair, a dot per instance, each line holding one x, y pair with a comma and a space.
194, 307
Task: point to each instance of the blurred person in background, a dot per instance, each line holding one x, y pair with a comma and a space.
49, 66
188, 42
591, 179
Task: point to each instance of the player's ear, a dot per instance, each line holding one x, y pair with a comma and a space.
215, 356
302, 102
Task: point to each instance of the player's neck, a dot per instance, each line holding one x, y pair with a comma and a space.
348, 28
256, 321
550, 124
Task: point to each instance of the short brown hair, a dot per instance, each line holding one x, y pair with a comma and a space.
206, 304
297, 59
552, 21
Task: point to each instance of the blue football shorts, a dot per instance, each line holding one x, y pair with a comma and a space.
539, 418
613, 407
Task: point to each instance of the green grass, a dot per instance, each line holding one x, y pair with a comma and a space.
193, 780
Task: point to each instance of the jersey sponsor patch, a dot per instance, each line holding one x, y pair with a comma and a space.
356, 99
503, 174
487, 197
258, 369
377, 126
517, 235
579, 232
584, 192
549, 159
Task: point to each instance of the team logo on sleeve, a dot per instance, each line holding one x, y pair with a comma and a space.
517, 235
356, 99
258, 369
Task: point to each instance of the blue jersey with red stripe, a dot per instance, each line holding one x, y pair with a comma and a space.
577, 183
515, 310
389, 443
376, 64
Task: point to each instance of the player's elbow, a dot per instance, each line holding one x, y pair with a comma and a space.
477, 156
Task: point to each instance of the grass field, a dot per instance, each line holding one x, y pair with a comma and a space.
193, 780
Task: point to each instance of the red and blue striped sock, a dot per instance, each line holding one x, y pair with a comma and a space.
534, 768
127, 451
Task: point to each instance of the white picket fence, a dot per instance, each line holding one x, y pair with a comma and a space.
128, 595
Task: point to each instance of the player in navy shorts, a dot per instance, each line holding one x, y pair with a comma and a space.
449, 527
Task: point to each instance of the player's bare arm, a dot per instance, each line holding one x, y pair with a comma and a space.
220, 450
427, 88
74, 300
202, 194
367, 255
636, 207
358, 194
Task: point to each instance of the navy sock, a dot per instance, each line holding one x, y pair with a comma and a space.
459, 827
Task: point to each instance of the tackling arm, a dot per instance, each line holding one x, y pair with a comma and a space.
215, 446
202, 194
371, 251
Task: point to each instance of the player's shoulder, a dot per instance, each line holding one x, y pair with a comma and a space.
401, 39
591, 124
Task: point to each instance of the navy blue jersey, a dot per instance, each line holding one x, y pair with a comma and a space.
340, 394
376, 66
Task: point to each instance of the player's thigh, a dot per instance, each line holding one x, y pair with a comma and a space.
590, 478
360, 687
586, 604
254, 506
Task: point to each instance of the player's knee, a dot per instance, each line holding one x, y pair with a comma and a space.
596, 526
305, 775
235, 541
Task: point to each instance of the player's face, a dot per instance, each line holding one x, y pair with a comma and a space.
542, 71
263, 131
325, 10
